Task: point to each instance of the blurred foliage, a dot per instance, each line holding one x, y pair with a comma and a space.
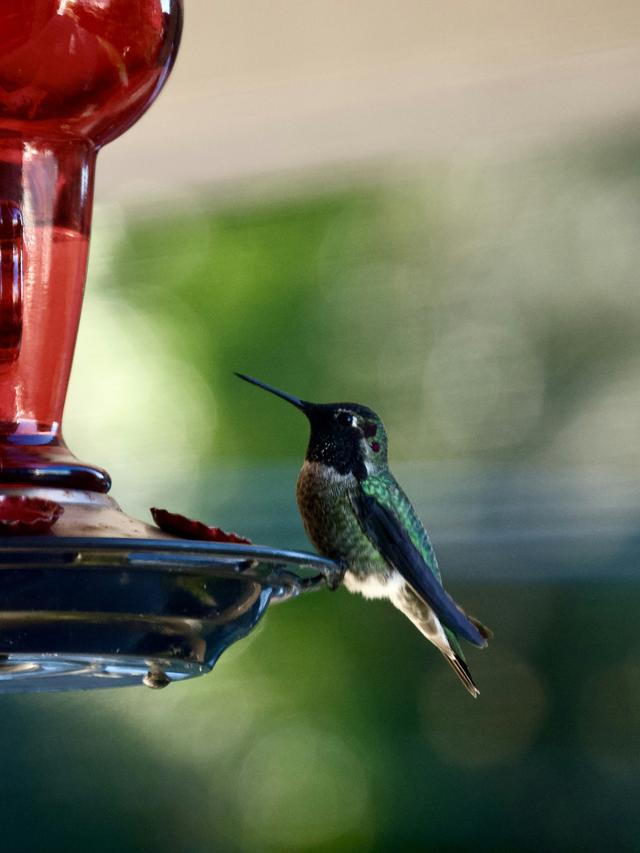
489, 310
334, 727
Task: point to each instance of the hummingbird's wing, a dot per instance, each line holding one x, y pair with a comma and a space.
386, 532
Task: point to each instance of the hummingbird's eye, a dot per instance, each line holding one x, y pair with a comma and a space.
346, 419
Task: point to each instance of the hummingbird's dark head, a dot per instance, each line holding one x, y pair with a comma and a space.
347, 437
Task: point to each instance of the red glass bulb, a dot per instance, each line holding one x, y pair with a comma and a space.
74, 74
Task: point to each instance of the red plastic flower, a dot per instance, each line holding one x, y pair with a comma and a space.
188, 528
21, 515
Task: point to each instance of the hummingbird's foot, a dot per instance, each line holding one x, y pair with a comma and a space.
335, 579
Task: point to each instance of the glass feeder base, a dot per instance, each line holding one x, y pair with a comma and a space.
21, 673
90, 612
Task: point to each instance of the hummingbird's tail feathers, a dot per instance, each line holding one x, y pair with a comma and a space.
461, 670
485, 632
426, 621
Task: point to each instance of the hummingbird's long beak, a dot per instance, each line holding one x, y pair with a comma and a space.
295, 401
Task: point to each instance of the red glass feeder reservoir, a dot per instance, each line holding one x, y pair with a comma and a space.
74, 74
88, 596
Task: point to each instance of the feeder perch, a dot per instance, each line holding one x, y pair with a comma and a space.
90, 597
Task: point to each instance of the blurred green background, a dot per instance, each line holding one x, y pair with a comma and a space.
488, 308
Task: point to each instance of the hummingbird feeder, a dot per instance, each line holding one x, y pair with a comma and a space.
90, 597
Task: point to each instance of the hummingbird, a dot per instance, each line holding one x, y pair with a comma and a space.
356, 514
